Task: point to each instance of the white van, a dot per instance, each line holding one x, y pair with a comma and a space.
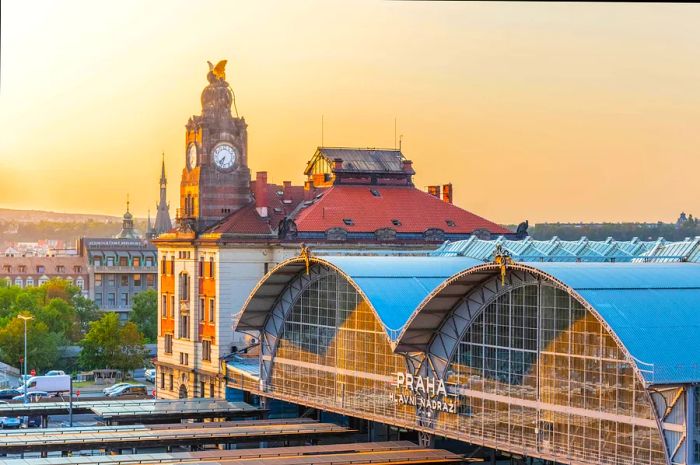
54, 385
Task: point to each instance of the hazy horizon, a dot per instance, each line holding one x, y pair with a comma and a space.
550, 112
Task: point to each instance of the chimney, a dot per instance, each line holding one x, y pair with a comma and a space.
408, 167
261, 193
287, 192
447, 192
337, 164
308, 190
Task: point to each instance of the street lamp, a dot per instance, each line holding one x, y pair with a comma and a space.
25, 318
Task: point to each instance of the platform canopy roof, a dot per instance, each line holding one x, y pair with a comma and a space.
652, 308
583, 249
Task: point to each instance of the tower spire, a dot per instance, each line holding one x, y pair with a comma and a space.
162, 223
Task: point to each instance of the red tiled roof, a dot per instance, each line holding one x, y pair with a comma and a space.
415, 210
246, 220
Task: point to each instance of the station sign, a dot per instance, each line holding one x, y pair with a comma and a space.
424, 392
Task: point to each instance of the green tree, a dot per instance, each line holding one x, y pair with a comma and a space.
86, 310
60, 317
108, 344
43, 346
144, 314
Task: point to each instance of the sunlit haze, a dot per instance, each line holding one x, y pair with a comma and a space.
551, 112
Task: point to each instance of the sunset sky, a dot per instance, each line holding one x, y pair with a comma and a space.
551, 112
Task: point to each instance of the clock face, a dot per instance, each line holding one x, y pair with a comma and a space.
192, 156
224, 156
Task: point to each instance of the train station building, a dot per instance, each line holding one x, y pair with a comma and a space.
576, 363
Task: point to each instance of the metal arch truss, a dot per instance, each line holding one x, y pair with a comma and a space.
274, 325
442, 348
671, 404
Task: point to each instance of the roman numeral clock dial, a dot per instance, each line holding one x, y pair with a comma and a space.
224, 156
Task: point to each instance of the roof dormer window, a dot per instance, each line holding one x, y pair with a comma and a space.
450, 223
348, 222
375, 192
396, 222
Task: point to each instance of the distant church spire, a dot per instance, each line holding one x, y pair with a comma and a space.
163, 223
128, 231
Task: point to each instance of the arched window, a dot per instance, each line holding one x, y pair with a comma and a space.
30, 281
535, 352
80, 283
18, 281
43, 280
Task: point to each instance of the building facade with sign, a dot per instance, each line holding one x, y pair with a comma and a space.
576, 363
232, 228
118, 269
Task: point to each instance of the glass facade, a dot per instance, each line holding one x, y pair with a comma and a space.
334, 351
535, 373
536, 369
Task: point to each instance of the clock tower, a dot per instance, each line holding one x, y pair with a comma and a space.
216, 178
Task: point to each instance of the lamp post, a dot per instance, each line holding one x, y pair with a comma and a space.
25, 318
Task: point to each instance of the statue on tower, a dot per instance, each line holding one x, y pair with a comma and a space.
217, 97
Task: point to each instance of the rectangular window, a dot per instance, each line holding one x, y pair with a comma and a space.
22, 268
150, 280
98, 299
266, 268
136, 261
211, 390
172, 266
137, 280
184, 326
97, 261
124, 280
202, 308
162, 380
98, 280
123, 261
202, 389
77, 269
60, 269
201, 266
211, 267
149, 261
171, 381
7, 268
163, 267
40, 269
184, 358
111, 280
168, 344
111, 300
110, 261
211, 310
124, 299
172, 306
206, 350
164, 306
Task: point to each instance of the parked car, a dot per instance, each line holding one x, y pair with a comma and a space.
132, 389
114, 387
33, 396
55, 373
55, 385
10, 422
33, 421
7, 394
150, 375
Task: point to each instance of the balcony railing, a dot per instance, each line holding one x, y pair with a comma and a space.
122, 269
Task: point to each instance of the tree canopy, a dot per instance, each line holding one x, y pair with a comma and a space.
60, 316
144, 314
109, 344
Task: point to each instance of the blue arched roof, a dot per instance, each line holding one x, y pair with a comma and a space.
395, 285
653, 308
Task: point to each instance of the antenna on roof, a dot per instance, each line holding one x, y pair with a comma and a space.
400, 139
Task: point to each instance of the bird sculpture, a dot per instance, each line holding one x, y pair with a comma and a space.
219, 71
